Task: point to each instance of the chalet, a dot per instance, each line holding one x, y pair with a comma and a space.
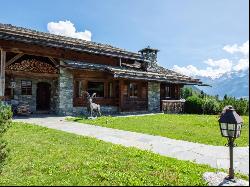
50, 73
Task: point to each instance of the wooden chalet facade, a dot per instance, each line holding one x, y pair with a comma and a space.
50, 73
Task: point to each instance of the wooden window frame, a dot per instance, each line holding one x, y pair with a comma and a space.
97, 82
168, 90
133, 90
78, 88
26, 90
110, 89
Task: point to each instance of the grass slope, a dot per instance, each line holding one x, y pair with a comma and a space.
41, 156
194, 128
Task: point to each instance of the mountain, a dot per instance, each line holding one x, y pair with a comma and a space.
233, 84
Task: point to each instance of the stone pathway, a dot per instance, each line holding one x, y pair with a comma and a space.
215, 156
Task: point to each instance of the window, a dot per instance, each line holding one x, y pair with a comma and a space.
26, 87
133, 90
96, 87
78, 88
167, 92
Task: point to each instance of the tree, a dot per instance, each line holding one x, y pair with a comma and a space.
188, 92
202, 94
211, 106
225, 97
217, 97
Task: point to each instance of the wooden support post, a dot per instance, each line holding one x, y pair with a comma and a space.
85, 85
84, 88
106, 89
2, 73
121, 82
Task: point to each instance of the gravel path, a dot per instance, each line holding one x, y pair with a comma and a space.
215, 156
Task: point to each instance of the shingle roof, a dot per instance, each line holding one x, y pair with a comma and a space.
13, 33
10, 32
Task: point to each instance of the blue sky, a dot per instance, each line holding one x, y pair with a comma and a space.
187, 32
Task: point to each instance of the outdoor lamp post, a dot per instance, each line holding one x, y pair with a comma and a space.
230, 127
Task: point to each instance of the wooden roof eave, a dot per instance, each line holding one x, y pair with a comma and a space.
153, 79
129, 73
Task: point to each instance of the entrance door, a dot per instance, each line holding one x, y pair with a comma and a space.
43, 96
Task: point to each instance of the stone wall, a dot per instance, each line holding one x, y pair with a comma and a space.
154, 97
65, 93
31, 99
172, 106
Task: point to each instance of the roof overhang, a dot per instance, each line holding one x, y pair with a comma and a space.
129, 73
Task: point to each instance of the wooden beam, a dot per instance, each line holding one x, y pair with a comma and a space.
54, 61
57, 53
2, 73
15, 58
33, 75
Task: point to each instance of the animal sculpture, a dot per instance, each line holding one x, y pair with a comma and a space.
91, 106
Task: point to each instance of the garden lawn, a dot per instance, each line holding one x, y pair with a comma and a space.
194, 128
42, 156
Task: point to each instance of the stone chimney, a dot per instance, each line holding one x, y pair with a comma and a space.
150, 57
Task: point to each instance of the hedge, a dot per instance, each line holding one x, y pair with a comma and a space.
5, 121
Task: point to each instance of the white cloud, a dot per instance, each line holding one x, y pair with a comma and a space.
242, 65
217, 68
244, 48
221, 64
66, 28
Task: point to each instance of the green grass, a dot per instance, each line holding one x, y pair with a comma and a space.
41, 156
194, 128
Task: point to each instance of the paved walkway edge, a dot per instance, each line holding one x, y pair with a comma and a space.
215, 156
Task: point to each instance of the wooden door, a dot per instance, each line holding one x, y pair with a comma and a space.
43, 96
